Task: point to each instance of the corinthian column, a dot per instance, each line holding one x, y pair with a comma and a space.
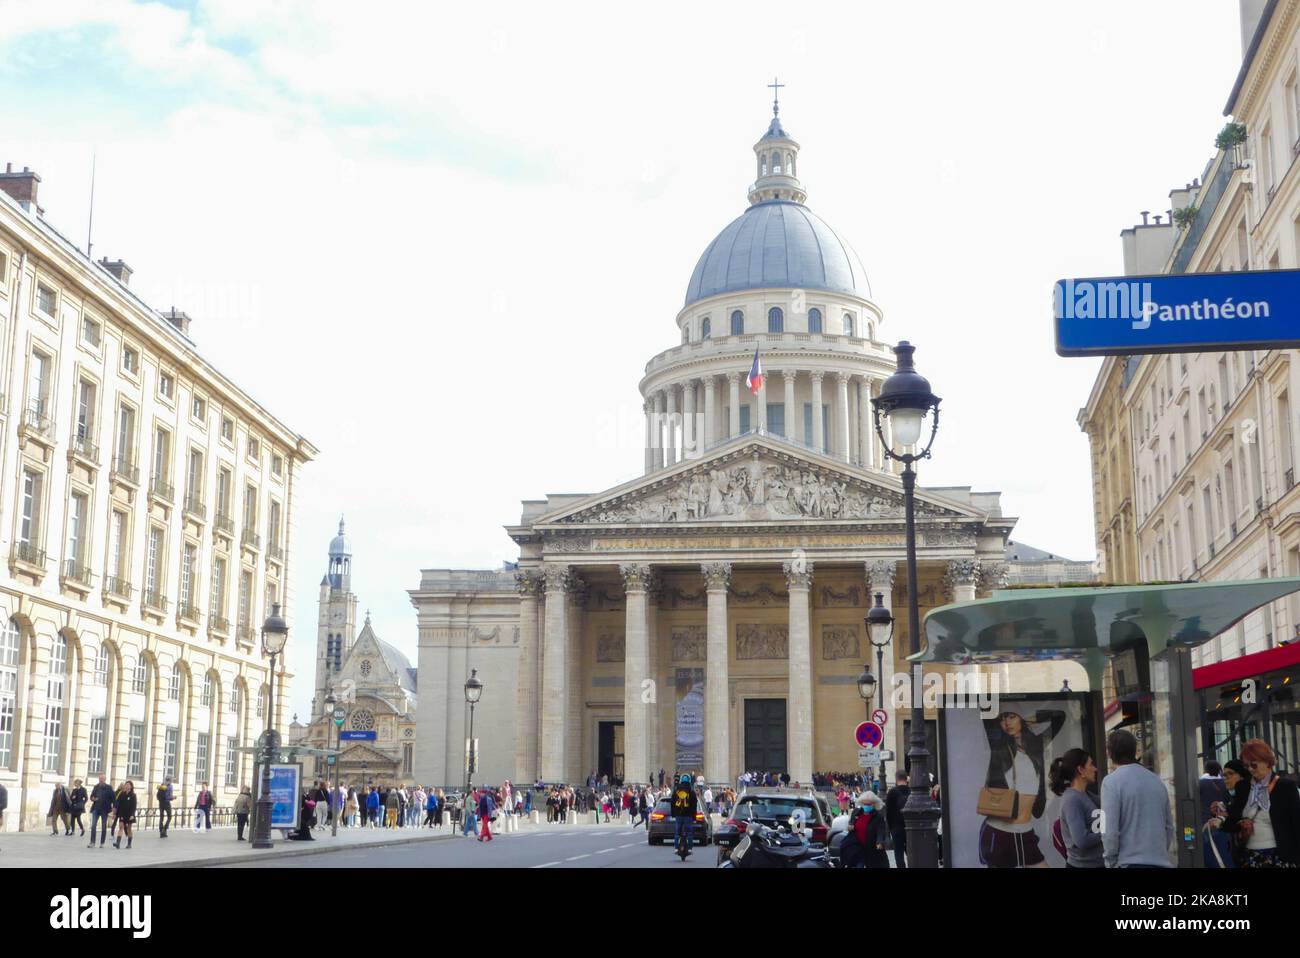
670, 450
710, 411
657, 432
717, 718
648, 408
818, 435
529, 585
690, 436
798, 576
963, 574
557, 581
842, 416
636, 668
787, 376
733, 395
866, 433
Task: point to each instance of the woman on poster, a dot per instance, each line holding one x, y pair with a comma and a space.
1015, 789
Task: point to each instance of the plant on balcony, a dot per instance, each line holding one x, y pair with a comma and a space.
1185, 216
1232, 134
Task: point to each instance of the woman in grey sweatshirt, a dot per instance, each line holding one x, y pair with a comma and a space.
1070, 777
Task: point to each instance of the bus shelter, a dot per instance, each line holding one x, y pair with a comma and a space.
1145, 632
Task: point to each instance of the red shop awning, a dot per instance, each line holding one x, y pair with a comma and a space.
1243, 667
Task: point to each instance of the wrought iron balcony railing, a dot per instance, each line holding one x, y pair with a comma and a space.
188, 612
162, 489
219, 624
85, 447
245, 634
153, 599
251, 539
28, 553
77, 571
194, 507
125, 470
117, 586
224, 523
35, 420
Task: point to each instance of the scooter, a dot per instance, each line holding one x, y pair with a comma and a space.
764, 847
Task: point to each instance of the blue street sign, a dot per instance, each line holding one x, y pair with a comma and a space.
1187, 313
357, 736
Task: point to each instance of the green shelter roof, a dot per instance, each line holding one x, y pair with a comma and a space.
1029, 625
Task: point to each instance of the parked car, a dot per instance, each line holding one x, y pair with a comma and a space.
661, 830
774, 807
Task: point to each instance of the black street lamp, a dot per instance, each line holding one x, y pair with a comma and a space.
905, 400
337, 715
275, 634
880, 630
473, 691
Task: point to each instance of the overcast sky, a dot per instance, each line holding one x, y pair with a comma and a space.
441, 242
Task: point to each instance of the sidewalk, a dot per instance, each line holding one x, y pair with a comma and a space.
185, 847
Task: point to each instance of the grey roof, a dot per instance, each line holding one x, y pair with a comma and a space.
1019, 552
775, 130
339, 545
398, 663
777, 244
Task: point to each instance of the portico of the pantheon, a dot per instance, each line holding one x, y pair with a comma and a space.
708, 615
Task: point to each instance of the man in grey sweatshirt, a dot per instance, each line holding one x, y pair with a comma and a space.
1137, 822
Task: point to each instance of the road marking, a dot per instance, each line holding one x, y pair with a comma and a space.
576, 857
547, 865
605, 851
630, 845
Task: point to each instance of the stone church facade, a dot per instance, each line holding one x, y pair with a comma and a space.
708, 615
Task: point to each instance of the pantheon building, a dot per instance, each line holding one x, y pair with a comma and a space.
708, 615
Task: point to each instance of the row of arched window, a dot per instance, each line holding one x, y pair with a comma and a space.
776, 164
776, 324
57, 690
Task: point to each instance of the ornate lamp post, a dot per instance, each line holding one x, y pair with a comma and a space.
905, 399
473, 691
337, 714
275, 634
880, 629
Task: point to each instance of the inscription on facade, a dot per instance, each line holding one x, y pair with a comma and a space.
754, 641
794, 541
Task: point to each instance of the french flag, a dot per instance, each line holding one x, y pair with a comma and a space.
755, 378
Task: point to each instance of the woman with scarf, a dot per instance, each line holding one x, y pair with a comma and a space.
1008, 840
1270, 820
864, 846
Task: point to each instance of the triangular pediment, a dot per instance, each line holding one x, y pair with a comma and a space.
755, 480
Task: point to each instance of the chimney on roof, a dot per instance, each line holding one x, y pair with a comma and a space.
22, 187
121, 272
1145, 214
178, 319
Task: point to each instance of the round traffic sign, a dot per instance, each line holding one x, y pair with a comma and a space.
340, 715
880, 717
869, 735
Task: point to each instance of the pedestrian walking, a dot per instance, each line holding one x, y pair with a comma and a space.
164, 797
487, 810
392, 806
1216, 844
1270, 822
77, 798
60, 805
894, 803
350, 807
243, 807
203, 808
1135, 807
865, 844
101, 804
372, 807
124, 813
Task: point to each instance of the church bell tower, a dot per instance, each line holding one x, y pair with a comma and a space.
337, 624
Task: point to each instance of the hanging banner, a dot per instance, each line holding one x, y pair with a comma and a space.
690, 720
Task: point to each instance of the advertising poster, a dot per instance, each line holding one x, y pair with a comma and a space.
1001, 761
690, 719
286, 787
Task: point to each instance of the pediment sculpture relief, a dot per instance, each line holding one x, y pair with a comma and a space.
762, 642
757, 490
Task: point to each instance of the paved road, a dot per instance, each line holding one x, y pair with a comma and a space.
555, 846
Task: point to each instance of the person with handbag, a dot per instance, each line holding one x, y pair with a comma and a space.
243, 807
1015, 788
164, 797
867, 843
1236, 779
487, 812
1270, 822
124, 807
1070, 775
1216, 845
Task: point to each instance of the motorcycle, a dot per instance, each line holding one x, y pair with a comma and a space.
764, 847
